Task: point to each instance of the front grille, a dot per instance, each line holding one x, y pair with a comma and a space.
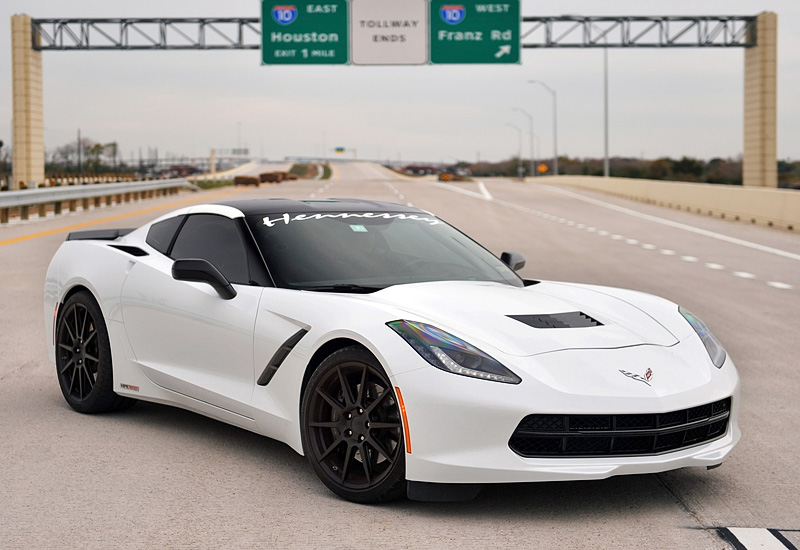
597, 435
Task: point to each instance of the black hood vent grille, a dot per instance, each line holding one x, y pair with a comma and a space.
572, 319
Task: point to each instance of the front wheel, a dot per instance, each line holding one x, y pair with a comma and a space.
83, 357
351, 428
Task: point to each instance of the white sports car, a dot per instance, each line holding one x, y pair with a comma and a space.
393, 351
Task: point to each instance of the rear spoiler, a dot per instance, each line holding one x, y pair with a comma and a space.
98, 235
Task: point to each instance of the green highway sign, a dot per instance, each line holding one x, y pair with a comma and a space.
300, 32
469, 31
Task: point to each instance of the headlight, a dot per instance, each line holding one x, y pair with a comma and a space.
713, 346
448, 353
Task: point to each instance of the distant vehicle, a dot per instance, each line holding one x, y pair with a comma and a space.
247, 180
396, 353
420, 169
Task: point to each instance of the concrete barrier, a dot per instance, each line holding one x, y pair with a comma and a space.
764, 206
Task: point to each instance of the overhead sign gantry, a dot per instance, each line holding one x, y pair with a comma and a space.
756, 34
390, 32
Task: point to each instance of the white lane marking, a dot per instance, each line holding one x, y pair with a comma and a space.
666, 252
483, 192
752, 538
631, 241
591, 229
397, 193
782, 286
320, 171
744, 275
616, 237
692, 229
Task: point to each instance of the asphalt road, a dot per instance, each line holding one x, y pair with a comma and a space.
157, 477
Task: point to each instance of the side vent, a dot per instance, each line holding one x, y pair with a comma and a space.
572, 319
132, 250
280, 355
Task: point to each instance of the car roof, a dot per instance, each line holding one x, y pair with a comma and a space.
280, 206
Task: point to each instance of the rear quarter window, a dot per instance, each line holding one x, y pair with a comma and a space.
161, 234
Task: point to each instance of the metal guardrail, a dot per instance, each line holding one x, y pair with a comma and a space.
71, 194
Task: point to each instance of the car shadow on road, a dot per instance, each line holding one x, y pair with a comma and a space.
565, 501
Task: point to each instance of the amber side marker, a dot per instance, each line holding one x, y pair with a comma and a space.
405, 418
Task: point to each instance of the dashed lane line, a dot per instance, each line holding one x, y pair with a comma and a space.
779, 285
648, 246
678, 225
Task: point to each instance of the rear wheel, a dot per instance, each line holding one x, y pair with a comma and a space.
352, 430
83, 357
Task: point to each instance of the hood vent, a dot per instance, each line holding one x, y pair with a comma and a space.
572, 319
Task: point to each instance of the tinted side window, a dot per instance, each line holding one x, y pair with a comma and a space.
216, 239
160, 234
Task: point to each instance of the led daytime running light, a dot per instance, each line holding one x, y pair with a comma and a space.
448, 353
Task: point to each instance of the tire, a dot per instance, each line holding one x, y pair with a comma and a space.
352, 430
83, 357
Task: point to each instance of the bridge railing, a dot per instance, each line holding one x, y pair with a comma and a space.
71, 195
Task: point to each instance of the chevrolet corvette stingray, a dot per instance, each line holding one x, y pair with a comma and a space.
393, 351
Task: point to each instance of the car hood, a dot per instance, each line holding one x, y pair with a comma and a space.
482, 311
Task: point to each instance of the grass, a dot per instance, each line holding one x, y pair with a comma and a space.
213, 184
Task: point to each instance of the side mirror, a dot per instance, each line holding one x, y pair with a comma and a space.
202, 271
514, 260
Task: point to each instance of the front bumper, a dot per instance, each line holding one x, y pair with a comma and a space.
460, 427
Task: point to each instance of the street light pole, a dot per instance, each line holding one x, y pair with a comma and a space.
607, 167
555, 123
530, 131
606, 164
520, 168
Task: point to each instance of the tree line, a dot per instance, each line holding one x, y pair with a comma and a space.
726, 171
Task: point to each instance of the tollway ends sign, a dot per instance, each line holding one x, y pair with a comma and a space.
390, 32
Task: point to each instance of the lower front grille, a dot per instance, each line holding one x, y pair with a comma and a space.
598, 435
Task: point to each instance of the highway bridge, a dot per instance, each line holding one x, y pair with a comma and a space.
111, 481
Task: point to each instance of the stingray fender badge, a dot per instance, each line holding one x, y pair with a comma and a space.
648, 375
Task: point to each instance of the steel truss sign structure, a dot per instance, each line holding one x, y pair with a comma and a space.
244, 33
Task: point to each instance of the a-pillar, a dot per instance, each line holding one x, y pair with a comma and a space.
28, 104
760, 163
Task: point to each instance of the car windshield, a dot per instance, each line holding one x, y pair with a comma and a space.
365, 251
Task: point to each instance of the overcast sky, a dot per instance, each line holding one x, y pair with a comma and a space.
669, 102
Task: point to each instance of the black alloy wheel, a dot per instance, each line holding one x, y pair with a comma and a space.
352, 430
83, 357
